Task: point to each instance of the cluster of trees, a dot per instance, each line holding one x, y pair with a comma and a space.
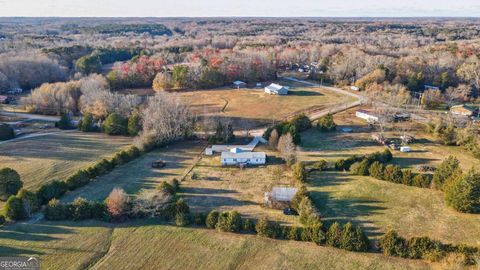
223, 133
92, 63
293, 127
424, 248
382, 157
462, 190
22, 204
138, 72
468, 137
28, 70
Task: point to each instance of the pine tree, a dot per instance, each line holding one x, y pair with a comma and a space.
444, 171
334, 235
462, 192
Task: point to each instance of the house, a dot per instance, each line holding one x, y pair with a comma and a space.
366, 115
236, 158
239, 84
276, 89
463, 110
280, 197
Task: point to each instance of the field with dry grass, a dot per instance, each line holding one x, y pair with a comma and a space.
148, 244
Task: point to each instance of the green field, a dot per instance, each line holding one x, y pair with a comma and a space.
56, 156
150, 245
138, 174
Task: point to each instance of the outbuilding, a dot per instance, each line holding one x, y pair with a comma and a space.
405, 149
239, 84
280, 197
276, 89
369, 116
462, 110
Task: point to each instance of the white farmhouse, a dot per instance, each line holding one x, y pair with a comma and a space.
240, 157
369, 116
276, 89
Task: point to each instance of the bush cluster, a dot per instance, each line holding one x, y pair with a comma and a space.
326, 123
382, 157
423, 248
296, 125
6, 132
80, 209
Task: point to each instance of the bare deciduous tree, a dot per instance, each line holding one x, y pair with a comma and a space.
117, 203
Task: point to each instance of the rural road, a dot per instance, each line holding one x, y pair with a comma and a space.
31, 116
317, 114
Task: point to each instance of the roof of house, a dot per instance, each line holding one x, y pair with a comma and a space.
256, 155
275, 87
236, 150
238, 82
283, 193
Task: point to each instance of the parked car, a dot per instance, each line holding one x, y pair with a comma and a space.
158, 164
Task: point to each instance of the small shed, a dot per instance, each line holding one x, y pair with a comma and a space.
280, 197
366, 115
405, 149
239, 84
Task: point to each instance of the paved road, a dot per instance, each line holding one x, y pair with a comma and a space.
31, 116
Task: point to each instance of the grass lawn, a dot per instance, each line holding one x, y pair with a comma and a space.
379, 206
150, 245
258, 107
332, 146
139, 174
231, 188
42, 159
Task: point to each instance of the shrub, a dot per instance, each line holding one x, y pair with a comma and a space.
56, 210
334, 235
361, 241
267, 228
301, 122
80, 209
418, 247
54, 189
326, 123
14, 208
299, 172
134, 125
307, 212
86, 124
6, 132
181, 219
166, 188
182, 207
376, 170
314, 233
79, 179
320, 165
248, 225
422, 180
175, 184
65, 121
212, 219
462, 192
199, 219
2, 220
360, 168
393, 173
407, 177
448, 167
353, 238
99, 211
229, 222
292, 233
115, 124
117, 203
394, 245
297, 199
10, 183
30, 201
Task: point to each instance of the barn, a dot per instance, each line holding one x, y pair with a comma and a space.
276, 89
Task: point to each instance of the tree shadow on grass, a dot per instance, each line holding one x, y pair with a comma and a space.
14, 251
304, 93
343, 210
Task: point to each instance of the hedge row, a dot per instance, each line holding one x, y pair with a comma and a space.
382, 157
424, 248
27, 202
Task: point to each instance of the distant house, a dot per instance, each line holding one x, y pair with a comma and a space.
430, 87
463, 110
276, 89
237, 157
366, 115
239, 84
280, 197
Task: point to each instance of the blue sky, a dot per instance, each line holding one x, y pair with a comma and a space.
214, 8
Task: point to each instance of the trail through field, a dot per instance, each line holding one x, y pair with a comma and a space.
35, 135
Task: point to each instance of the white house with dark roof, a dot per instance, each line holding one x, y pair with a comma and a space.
276, 89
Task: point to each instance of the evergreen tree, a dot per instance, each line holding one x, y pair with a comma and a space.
115, 124
86, 124
134, 125
376, 170
10, 183
299, 172
334, 235
14, 208
444, 171
394, 245
326, 123
462, 192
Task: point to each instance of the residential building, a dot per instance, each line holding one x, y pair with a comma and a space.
240, 157
463, 110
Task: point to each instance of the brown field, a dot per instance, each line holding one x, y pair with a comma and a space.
231, 188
